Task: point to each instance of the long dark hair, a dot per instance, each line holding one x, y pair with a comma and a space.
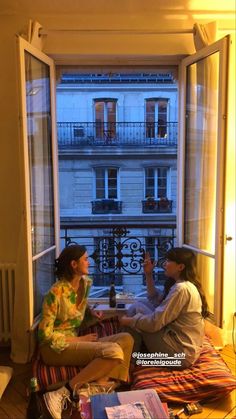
189, 273
63, 268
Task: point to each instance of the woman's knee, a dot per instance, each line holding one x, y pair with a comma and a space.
124, 339
112, 350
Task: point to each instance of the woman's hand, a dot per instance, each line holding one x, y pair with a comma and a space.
148, 265
125, 321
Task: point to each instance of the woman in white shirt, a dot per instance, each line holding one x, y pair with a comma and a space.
172, 325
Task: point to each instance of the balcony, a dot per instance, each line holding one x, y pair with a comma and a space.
106, 206
153, 206
81, 134
117, 252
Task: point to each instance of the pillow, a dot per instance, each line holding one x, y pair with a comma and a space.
48, 376
207, 380
5, 376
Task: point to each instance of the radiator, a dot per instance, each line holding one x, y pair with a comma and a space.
7, 288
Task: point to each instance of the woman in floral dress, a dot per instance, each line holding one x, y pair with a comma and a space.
62, 314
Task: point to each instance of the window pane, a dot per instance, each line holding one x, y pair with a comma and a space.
100, 194
43, 278
162, 171
150, 173
100, 172
112, 183
100, 183
201, 153
112, 173
206, 272
99, 118
150, 111
150, 118
162, 118
149, 183
111, 111
40, 153
112, 193
162, 182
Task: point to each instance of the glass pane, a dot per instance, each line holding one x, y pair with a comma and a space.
111, 119
201, 153
112, 193
150, 118
206, 272
112, 183
150, 173
43, 278
100, 173
162, 118
40, 153
100, 183
100, 194
99, 118
150, 183
112, 173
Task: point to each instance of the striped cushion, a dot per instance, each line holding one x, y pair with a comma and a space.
49, 375
207, 380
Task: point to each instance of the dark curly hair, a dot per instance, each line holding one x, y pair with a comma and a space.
63, 268
189, 273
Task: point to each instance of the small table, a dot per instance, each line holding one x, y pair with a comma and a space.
110, 311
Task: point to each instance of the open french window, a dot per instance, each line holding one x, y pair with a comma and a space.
201, 165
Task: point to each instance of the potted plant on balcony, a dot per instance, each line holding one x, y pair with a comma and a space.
164, 203
150, 202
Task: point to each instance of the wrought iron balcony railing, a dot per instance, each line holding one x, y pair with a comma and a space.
106, 206
117, 253
79, 134
162, 205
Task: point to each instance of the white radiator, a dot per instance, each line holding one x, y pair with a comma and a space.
7, 287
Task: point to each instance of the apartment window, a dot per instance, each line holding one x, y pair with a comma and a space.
156, 118
106, 186
106, 183
156, 183
105, 118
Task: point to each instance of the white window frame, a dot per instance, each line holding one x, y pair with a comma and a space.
220, 47
30, 258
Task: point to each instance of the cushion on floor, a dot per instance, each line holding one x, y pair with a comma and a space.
207, 380
49, 375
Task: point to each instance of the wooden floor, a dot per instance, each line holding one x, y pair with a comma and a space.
14, 400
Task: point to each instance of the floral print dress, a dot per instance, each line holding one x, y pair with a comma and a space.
61, 315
